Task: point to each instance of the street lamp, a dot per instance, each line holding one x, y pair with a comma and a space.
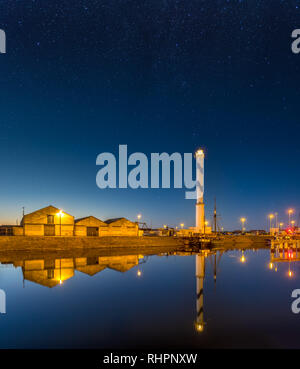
205, 225
60, 213
276, 222
290, 212
182, 225
293, 223
243, 220
139, 216
271, 216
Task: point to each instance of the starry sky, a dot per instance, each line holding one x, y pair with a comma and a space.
79, 78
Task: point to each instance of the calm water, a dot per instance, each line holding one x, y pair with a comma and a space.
136, 301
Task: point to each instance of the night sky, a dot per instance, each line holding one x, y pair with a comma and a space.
81, 77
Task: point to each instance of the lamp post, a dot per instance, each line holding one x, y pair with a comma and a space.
60, 215
290, 212
205, 225
182, 225
243, 220
276, 222
271, 216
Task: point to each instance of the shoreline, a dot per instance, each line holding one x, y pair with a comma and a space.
42, 243
120, 243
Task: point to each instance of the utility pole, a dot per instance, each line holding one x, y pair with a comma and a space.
23, 208
215, 217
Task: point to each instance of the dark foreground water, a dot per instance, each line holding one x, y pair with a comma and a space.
135, 301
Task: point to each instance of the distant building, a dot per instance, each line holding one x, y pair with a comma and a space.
274, 230
51, 221
122, 227
91, 227
257, 232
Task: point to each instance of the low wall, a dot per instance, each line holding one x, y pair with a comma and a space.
63, 243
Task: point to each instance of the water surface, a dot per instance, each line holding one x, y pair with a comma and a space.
223, 299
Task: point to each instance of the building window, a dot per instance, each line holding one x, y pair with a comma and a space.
50, 219
50, 273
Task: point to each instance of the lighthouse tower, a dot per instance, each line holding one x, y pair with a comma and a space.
200, 274
200, 215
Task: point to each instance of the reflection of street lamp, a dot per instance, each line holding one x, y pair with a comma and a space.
139, 273
60, 280
243, 220
290, 273
199, 327
271, 265
243, 259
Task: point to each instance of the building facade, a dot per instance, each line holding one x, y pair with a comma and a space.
90, 227
122, 227
49, 221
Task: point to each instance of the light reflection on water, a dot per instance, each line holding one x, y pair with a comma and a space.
220, 298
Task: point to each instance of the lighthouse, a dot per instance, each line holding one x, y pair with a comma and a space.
200, 215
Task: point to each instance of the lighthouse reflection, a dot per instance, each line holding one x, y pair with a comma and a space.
200, 275
214, 256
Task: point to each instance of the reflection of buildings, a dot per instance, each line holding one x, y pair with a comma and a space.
51, 272
48, 273
284, 251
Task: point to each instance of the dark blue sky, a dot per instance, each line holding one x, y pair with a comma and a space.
80, 78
